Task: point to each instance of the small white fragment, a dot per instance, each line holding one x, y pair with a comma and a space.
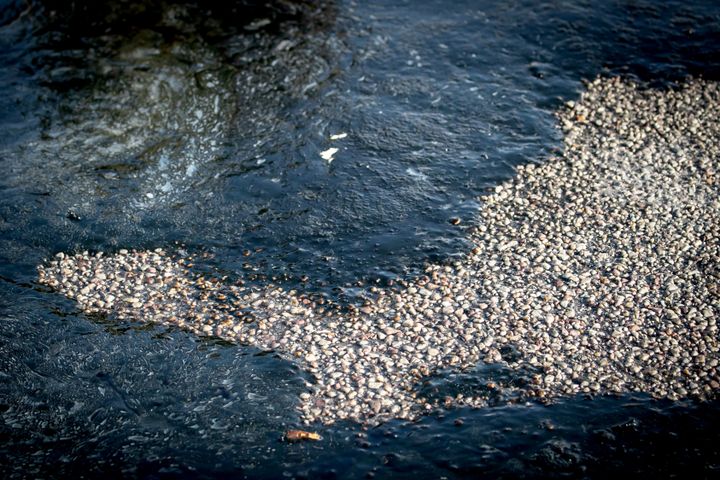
149, 195
338, 136
328, 154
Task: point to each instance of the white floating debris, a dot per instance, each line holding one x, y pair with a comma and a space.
150, 195
338, 136
328, 154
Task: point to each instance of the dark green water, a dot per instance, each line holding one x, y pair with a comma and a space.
144, 124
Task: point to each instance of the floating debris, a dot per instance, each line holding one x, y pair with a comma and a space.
299, 435
338, 136
595, 272
329, 154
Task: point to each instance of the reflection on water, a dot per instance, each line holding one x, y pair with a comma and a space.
140, 124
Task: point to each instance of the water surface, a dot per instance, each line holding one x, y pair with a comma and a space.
149, 124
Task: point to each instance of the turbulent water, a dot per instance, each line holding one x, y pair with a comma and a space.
143, 125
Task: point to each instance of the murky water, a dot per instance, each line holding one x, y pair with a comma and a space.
146, 124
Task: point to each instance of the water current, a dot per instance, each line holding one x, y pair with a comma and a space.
202, 127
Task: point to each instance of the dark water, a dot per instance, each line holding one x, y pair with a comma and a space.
143, 124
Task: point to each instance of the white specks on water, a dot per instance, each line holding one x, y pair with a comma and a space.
329, 154
338, 136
